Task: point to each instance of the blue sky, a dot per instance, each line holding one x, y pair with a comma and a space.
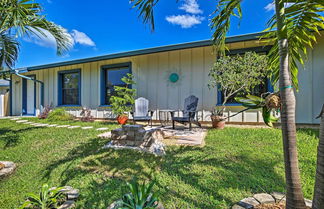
100, 27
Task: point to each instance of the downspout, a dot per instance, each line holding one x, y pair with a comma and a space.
10, 94
38, 81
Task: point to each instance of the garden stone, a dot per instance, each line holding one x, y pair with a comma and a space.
279, 196
9, 168
264, 198
72, 127
63, 126
67, 204
73, 194
237, 207
101, 129
21, 121
52, 125
248, 203
15, 119
87, 127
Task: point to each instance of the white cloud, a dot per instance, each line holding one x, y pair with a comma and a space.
271, 6
45, 39
185, 21
191, 6
81, 38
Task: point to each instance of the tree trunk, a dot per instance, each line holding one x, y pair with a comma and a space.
294, 194
318, 200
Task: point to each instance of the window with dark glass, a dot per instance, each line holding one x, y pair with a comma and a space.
112, 78
69, 87
256, 91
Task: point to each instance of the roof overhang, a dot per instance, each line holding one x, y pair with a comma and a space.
203, 43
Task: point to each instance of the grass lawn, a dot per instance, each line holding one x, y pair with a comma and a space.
234, 164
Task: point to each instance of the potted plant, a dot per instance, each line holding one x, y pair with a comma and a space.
233, 75
123, 100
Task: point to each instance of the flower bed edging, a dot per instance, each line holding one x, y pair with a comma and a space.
263, 198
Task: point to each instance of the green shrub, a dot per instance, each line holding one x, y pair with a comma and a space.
59, 114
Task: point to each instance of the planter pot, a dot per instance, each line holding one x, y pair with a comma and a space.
218, 122
122, 119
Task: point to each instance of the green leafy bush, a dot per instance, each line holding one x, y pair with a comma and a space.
59, 114
141, 196
47, 198
123, 101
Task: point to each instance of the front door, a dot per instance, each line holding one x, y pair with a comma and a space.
29, 96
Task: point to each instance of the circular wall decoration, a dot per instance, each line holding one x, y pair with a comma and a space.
174, 77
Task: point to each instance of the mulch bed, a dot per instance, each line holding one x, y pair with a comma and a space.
273, 206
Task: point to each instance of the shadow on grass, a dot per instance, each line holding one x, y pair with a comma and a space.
91, 158
11, 137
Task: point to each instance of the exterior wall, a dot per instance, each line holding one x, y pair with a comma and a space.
4, 89
310, 97
151, 74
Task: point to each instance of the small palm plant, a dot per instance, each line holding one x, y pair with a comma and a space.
46, 199
141, 196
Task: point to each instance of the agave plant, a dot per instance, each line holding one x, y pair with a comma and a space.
46, 199
269, 103
141, 196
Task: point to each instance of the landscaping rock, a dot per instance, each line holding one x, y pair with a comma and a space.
102, 129
9, 168
73, 194
72, 127
62, 126
248, 203
52, 125
279, 196
67, 204
264, 198
21, 121
15, 119
237, 207
87, 127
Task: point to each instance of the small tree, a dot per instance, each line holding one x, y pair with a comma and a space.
124, 99
234, 74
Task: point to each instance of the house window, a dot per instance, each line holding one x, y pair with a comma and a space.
69, 87
111, 77
258, 90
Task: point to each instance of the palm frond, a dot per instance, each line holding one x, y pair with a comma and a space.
146, 10
21, 17
220, 23
9, 49
304, 19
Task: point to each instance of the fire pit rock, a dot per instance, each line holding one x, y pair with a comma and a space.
6, 168
136, 137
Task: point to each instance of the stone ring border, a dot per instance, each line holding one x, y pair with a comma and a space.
264, 198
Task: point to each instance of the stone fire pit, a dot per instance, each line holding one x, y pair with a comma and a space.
136, 137
6, 168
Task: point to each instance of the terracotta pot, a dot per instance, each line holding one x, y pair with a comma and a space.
218, 122
122, 119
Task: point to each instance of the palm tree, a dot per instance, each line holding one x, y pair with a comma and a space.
22, 17
293, 30
318, 200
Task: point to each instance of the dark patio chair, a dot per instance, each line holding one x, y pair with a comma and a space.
190, 113
141, 111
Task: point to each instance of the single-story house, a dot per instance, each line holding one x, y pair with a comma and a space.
4, 86
165, 75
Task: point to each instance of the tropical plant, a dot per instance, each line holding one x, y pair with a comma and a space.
23, 17
47, 198
292, 30
124, 97
237, 74
59, 114
141, 196
318, 200
268, 102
